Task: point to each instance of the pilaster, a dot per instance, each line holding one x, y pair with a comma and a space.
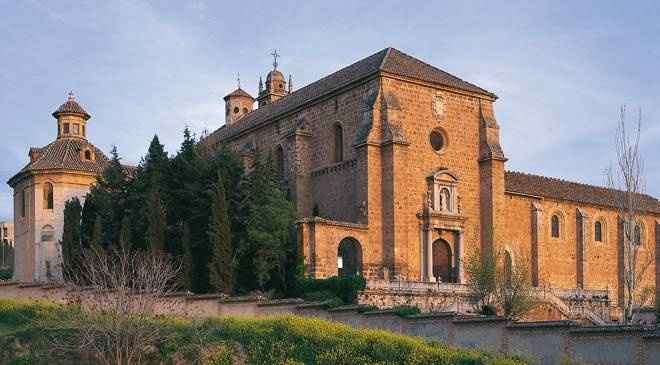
581, 235
537, 234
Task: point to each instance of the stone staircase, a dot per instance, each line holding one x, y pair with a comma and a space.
584, 306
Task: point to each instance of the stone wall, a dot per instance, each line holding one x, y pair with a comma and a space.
540, 342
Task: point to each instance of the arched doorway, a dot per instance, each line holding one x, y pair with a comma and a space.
349, 257
442, 258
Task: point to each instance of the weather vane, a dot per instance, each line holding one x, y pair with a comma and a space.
275, 56
71, 96
238, 78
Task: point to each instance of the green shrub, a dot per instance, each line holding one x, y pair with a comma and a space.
344, 288
367, 308
406, 310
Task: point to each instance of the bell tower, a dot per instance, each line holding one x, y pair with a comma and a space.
275, 84
237, 104
71, 119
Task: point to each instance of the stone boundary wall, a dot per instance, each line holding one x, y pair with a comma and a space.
548, 342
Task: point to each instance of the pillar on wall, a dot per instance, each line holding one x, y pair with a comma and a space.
458, 256
300, 160
537, 226
491, 176
619, 260
581, 247
394, 155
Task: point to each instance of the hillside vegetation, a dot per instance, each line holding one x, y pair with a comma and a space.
36, 333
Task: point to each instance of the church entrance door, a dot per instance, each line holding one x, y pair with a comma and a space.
442, 256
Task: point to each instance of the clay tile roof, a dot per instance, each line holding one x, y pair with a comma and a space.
71, 106
238, 92
547, 187
65, 153
388, 60
402, 64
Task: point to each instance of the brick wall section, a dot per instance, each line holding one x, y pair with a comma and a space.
558, 257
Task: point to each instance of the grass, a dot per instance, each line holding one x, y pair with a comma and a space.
272, 340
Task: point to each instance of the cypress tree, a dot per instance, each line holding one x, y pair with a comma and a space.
266, 247
125, 240
157, 222
188, 270
220, 268
71, 243
97, 241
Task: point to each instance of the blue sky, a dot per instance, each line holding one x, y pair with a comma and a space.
561, 69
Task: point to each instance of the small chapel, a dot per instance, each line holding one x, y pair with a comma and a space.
63, 169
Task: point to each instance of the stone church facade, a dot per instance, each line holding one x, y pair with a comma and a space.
397, 172
55, 173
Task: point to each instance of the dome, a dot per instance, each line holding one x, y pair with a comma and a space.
71, 106
274, 76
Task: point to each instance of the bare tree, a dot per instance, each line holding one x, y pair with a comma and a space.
513, 283
481, 270
627, 176
499, 280
119, 293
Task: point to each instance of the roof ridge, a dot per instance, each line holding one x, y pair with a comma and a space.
516, 187
388, 51
561, 180
435, 69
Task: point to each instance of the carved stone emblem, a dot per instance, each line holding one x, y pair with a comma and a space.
438, 107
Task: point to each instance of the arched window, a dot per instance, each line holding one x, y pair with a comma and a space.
555, 226
24, 202
339, 143
598, 231
48, 196
47, 233
88, 155
279, 160
637, 238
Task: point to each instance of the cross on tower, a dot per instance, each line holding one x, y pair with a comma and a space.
238, 78
71, 96
275, 56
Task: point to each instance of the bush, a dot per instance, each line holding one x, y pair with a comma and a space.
406, 310
488, 310
279, 340
344, 288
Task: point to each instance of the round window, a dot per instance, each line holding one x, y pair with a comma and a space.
437, 140
236, 110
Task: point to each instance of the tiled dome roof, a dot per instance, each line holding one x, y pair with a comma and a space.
71, 106
274, 75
